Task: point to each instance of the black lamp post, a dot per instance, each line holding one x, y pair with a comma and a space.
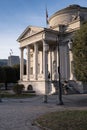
60, 85
0, 96
0, 99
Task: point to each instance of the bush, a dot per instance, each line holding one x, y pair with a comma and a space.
18, 88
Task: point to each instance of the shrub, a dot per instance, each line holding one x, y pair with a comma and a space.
18, 88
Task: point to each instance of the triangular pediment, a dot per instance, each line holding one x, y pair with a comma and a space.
29, 31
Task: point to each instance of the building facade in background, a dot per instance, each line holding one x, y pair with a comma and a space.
42, 45
13, 60
3, 62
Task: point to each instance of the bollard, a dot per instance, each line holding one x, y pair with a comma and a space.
45, 99
0, 100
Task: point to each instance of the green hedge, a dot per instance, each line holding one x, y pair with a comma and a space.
18, 88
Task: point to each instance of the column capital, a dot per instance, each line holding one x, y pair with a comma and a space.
21, 48
45, 46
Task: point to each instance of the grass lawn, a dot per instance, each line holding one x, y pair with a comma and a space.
17, 96
6, 94
65, 120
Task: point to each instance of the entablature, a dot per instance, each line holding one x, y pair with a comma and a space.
45, 34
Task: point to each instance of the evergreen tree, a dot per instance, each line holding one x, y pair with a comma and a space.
2, 75
80, 53
17, 71
10, 75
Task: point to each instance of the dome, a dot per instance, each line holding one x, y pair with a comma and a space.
65, 15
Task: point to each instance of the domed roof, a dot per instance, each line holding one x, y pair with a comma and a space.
67, 9
70, 7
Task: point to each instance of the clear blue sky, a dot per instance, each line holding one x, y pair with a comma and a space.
16, 15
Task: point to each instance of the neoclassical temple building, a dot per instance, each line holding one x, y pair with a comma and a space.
47, 47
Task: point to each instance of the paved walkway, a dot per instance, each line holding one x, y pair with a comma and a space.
18, 114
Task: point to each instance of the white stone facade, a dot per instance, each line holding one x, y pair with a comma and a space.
41, 46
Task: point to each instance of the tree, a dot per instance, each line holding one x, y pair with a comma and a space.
80, 53
10, 75
18, 88
2, 75
17, 71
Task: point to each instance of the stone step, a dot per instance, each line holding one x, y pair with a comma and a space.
29, 91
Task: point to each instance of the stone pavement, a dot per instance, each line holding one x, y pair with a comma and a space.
18, 114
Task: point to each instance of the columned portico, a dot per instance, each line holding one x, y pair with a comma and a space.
39, 61
42, 59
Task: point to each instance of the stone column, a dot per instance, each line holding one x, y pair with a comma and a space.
45, 68
21, 64
41, 63
35, 61
71, 59
55, 59
45, 60
28, 62
51, 64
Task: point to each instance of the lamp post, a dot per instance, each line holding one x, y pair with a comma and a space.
60, 86
0, 99
0, 95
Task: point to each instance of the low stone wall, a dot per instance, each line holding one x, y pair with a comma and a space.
40, 87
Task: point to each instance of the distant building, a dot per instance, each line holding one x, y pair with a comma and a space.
3, 62
13, 60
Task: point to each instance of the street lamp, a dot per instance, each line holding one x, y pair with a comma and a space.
60, 86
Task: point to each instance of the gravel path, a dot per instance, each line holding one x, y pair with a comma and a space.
18, 114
